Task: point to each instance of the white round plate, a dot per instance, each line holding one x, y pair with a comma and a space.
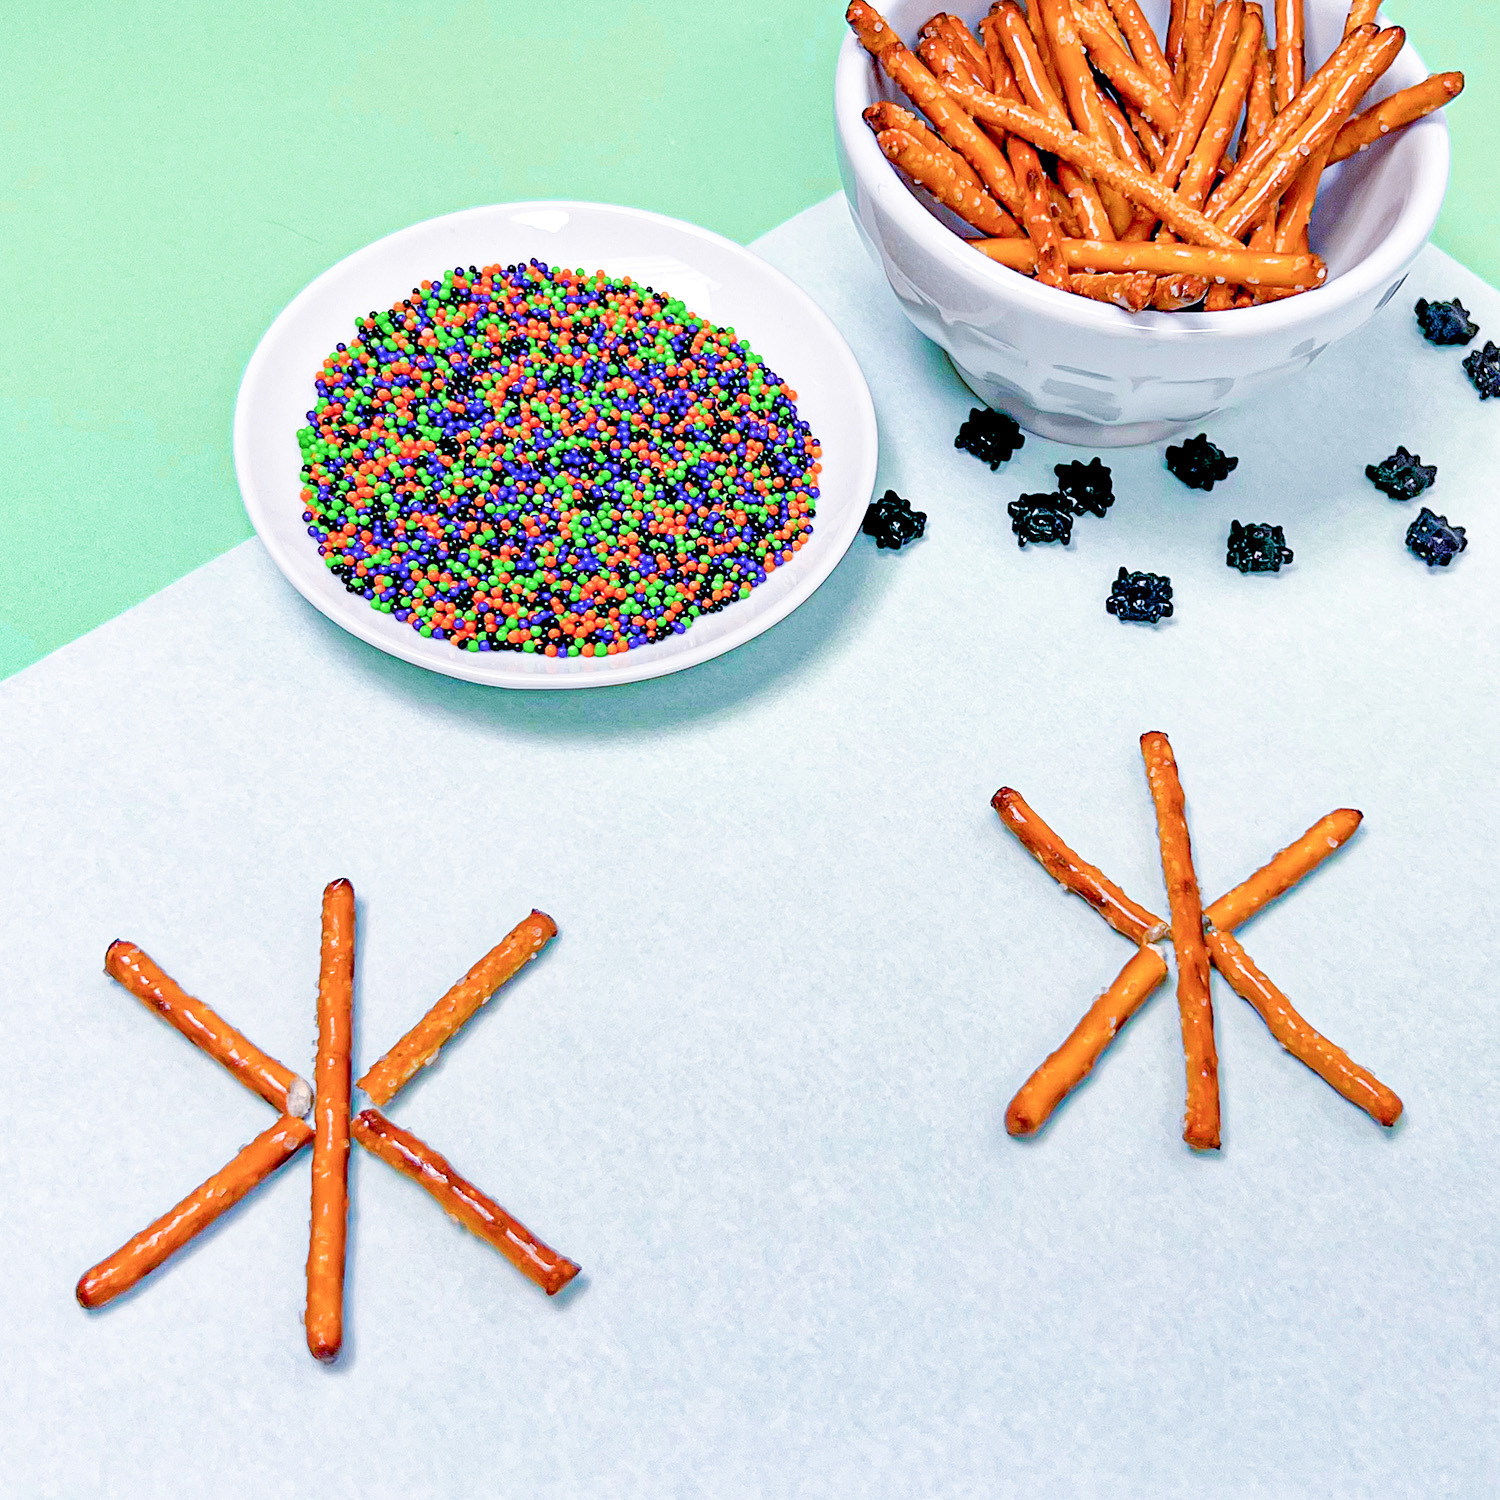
716, 278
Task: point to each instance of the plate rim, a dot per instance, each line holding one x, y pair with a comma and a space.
354, 616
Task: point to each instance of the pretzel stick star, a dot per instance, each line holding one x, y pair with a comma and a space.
1040, 1095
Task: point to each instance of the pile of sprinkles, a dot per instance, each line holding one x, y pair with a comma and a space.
528, 458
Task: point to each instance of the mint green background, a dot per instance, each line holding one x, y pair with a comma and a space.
171, 175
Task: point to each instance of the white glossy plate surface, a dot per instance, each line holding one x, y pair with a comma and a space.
718, 280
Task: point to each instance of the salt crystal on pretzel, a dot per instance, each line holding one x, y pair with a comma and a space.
1201, 1120
324, 1318
281, 1088
447, 1017
461, 1200
140, 1255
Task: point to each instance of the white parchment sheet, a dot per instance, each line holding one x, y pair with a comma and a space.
756, 1087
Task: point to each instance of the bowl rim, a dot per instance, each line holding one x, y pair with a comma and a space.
1408, 234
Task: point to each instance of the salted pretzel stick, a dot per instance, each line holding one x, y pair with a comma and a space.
1361, 13
1208, 153
1239, 266
1195, 37
281, 1088
973, 202
1291, 62
1279, 874
1101, 164
461, 1200
1038, 28
1177, 40
962, 40
324, 1319
1260, 106
952, 124
1153, 145
1074, 873
1330, 1062
966, 198
1128, 148
1391, 114
1130, 82
1131, 290
1321, 127
140, 1255
1066, 1068
1144, 46
421, 1045
1296, 208
1082, 95
1201, 1120
1009, 24
1173, 293
1286, 124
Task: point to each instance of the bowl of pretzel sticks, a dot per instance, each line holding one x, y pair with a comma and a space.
1118, 217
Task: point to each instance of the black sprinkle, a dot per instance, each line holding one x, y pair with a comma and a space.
1041, 518
1257, 548
1434, 540
1403, 476
1143, 597
1483, 369
892, 521
991, 436
1198, 464
1086, 487
1445, 322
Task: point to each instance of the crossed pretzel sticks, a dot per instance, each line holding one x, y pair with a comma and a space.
334, 1122
1199, 938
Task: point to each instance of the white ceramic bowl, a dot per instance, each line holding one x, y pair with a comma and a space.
718, 280
1084, 372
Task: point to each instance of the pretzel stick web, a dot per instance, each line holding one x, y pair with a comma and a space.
281, 1088
1392, 114
1201, 1122
461, 1200
421, 1045
140, 1255
1066, 1068
330, 1167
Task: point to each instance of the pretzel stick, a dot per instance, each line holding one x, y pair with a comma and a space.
1276, 877
1082, 95
1132, 83
1286, 124
951, 123
140, 1255
1208, 153
962, 40
1144, 46
330, 1165
1260, 106
1073, 873
1361, 13
1131, 290
1129, 149
1177, 41
1066, 1068
461, 1200
1009, 25
1222, 296
1201, 1121
1038, 29
281, 1088
1238, 266
1091, 157
1392, 114
1194, 37
1322, 125
420, 1046
1153, 145
1038, 215
966, 198
1331, 1063
885, 115
1291, 63
1173, 293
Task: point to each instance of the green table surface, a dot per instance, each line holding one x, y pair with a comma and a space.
173, 174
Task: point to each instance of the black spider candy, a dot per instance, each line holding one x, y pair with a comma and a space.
1144, 597
991, 436
1434, 540
1403, 476
1256, 548
1041, 518
892, 521
1198, 464
1445, 322
1483, 369
1086, 487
